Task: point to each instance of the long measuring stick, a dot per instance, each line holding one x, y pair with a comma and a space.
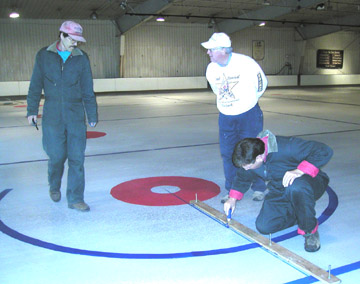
286, 255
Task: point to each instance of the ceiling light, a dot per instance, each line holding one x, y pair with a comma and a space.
123, 5
211, 23
320, 6
14, 14
266, 3
160, 19
94, 15
262, 24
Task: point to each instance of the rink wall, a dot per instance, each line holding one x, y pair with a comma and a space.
20, 88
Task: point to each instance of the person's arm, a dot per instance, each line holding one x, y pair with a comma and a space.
214, 88
290, 176
312, 154
35, 90
262, 81
230, 204
86, 82
209, 77
240, 186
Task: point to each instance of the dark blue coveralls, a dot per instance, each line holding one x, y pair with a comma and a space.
284, 207
68, 89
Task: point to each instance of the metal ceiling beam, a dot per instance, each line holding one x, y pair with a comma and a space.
127, 22
266, 13
308, 32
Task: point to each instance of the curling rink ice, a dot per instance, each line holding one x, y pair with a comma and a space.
150, 154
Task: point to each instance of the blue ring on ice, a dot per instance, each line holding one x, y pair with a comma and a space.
330, 209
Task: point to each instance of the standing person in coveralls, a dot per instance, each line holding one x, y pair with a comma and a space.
238, 82
63, 71
291, 166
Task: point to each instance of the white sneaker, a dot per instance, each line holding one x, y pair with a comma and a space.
258, 196
225, 198
312, 242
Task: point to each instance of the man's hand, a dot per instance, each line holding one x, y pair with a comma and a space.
290, 176
230, 204
30, 119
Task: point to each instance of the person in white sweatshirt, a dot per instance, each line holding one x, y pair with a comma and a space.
238, 82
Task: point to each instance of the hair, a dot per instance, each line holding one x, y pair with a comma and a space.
246, 151
64, 34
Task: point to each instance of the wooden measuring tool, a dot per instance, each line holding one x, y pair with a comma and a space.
277, 250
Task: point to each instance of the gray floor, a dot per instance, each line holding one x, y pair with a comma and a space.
161, 135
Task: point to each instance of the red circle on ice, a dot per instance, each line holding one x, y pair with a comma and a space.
25, 106
139, 191
94, 134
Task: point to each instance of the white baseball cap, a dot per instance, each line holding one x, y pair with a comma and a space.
217, 40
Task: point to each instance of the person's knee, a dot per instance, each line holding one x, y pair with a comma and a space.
262, 227
294, 192
76, 160
57, 158
300, 187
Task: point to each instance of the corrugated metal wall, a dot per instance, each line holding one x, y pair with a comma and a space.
347, 41
20, 40
279, 48
165, 50
160, 49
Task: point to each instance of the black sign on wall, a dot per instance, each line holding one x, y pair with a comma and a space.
329, 59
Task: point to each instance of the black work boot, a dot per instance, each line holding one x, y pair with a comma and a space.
55, 195
80, 206
312, 242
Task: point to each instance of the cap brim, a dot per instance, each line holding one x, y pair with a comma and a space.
77, 38
208, 45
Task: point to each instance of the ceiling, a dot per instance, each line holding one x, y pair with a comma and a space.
311, 17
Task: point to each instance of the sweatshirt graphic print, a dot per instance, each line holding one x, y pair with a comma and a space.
238, 85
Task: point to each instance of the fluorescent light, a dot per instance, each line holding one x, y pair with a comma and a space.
320, 6
14, 15
262, 24
94, 15
123, 5
160, 19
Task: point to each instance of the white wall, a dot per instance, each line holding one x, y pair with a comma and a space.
21, 39
329, 80
280, 48
20, 88
158, 50
349, 42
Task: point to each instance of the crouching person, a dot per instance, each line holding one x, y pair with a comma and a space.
291, 168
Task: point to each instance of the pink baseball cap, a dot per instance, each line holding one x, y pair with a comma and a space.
73, 29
